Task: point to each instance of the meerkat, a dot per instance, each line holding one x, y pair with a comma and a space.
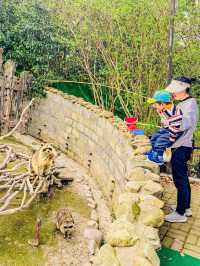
65, 222
43, 160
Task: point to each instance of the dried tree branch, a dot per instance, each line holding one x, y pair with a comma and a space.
20, 120
7, 159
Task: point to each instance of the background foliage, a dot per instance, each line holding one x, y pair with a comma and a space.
118, 46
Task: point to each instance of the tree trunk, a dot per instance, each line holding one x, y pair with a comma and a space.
171, 40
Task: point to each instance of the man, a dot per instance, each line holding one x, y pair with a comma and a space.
182, 148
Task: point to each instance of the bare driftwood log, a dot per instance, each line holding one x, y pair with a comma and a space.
19, 122
41, 175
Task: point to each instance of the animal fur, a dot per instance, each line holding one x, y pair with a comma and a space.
65, 222
43, 160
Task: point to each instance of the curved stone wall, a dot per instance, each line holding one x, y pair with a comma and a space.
114, 158
93, 137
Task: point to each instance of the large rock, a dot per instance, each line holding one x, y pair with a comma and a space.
141, 174
127, 207
121, 234
145, 187
148, 234
152, 188
145, 249
106, 257
134, 186
151, 176
151, 216
142, 161
142, 149
150, 200
93, 233
141, 139
141, 261
137, 174
142, 252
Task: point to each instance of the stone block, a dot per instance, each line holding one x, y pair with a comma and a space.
106, 257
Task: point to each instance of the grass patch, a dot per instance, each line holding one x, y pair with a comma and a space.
18, 228
14, 142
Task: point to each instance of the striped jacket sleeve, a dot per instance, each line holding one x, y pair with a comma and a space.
175, 123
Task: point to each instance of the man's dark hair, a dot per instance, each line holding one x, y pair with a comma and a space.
163, 102
185, 79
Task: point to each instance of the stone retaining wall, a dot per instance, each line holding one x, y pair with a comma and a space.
114, 158
95, 138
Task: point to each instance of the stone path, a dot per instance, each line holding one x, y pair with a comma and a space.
182, 237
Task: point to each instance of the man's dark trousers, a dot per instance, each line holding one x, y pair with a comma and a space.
180, 156
160, 141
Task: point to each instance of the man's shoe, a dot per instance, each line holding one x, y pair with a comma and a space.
175, 217
188, 213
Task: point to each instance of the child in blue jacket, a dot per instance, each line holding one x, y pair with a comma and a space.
171, 118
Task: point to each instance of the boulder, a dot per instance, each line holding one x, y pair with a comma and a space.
137, 174
149, 234
93, 234
150, 200
127, 207
142, 161
146, 250
121, 234
141, 261
127, 257
145, 187
142, 174
106, 257
151, 176
151, 216
142, 149
151, 188
141, 254
134, 186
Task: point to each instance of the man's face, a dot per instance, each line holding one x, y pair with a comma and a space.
179, 96
159, 106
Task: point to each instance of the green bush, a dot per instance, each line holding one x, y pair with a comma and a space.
119, 46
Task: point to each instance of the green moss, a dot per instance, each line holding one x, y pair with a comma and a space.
22, 169
13, 141
18, 228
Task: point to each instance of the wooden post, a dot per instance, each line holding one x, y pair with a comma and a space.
171, 40
14, 95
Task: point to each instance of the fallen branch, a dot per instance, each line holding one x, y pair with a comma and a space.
8, 200
7, 159
8, 192
29, 185
23, 188
20, 120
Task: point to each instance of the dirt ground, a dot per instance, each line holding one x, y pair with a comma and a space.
54, 249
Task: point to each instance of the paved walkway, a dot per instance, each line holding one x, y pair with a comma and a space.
182, 237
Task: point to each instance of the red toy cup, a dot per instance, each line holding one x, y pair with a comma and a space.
131, 122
